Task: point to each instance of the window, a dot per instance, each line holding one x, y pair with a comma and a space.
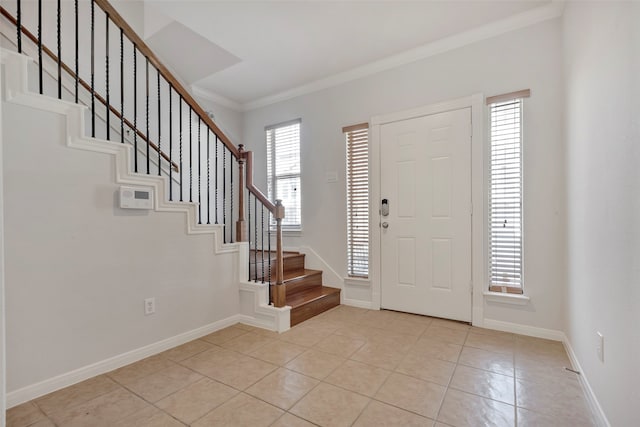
357, 139
283, 170
505, 194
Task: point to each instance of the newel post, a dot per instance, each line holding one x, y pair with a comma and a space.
279, 294
241, 227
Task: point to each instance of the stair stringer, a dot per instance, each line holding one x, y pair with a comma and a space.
255, 309
16, 91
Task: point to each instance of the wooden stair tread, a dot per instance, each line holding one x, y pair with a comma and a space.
290, 276
258, 255
310, 295
304, 291
298, 274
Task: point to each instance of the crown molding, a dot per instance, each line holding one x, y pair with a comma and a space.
218, 99
552, 10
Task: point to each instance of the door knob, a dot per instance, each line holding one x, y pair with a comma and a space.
385, 225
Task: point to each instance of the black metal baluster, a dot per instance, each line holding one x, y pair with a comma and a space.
180, 148
216, 183
93, 69
190, 155
77, 78
170, 144
19, 25
224, 193
231, 195
208, 176
40, 45
262, 238
121, 86
249, 228
106, 59
59, 39
159, 130
269, 249
147, 108
199, 174
255, 238
135, 109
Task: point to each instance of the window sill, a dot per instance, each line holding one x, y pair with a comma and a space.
357, 281
504, 298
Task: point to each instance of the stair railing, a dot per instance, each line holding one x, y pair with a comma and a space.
87, 87
106, 37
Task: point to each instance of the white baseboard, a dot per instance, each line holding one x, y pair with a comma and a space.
33, 391
357, 303
596, 409
531, 331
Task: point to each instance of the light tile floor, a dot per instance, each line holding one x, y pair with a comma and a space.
345, 367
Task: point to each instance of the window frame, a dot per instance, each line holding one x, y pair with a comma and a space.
273, 178
492, 102
351, 132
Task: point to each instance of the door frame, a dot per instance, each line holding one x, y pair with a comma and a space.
478, 253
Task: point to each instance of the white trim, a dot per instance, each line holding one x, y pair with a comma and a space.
254, 299
546, 12
314, 261
358, 303
209, 95
506, 298
476, 103
427, 110
374, 213
478, 217
256, 311
531, 331
592, 400
64, 380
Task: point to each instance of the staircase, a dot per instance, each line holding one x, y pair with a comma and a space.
305, 293
161, 137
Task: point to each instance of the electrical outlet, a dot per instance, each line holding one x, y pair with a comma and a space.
149, 306
600, 346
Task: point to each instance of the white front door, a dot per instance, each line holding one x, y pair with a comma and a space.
425, 173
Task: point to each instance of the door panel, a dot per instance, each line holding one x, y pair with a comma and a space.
426, 249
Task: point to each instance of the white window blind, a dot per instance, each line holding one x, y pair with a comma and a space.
357, 139
505, 201
283, 170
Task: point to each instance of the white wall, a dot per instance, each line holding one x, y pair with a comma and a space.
528, 58
133, 11
602, 72
3, 370
229, 121
78, 268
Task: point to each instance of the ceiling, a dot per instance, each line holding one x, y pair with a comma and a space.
248, 52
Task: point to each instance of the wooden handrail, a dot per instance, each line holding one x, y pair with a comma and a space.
86, 85
255, 190
142, 47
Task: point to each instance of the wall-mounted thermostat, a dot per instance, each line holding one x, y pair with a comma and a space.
136, 198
